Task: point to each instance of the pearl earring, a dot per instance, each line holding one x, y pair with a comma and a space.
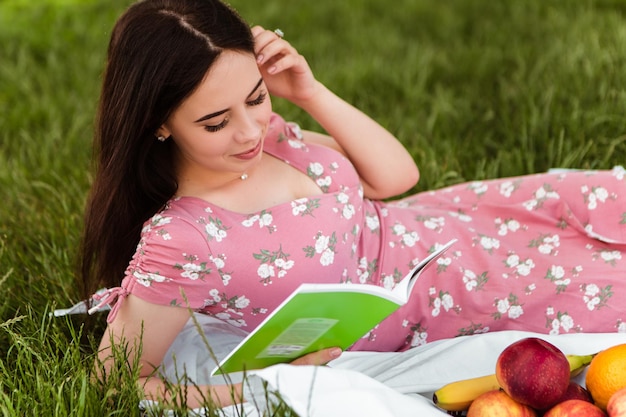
161, 138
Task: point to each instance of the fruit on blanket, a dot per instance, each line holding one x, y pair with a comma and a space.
458, 395
607, 374
576, 391
533, 372
616, 407
497, 403
575, 408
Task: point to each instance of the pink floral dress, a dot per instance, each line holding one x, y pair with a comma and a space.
540, 253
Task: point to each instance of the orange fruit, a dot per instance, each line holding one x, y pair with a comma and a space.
606, 374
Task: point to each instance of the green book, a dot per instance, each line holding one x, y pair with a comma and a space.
318, 316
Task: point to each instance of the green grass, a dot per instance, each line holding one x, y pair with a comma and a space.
475, 89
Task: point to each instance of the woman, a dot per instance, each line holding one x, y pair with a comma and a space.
204, 198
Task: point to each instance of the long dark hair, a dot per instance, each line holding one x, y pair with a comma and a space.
159, 52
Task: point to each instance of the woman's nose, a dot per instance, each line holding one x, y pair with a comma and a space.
247, 128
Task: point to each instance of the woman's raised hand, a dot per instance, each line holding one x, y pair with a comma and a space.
285, 72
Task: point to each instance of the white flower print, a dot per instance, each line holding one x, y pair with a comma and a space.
273, 264
215, 229
324, 182
525, 268
567, 322
595, 297
621, 327
366, 269
610, 256
515, 311
504, 227
489, 243
147, 279
442, 300
388, 282
432, 223
324, 246
321, 243
546, 244
398, 229
597, 195
372, 222
296, 144
304, 206
265, 271
218, 262
327, 258
469, 279
503, 305
509, 306
215, 295
472, 281
619, 172
348, 210
407, 238
512, 260
507, 188
478, 187
542, 194
283, 266
562, 321
419, 339
242, 302
557, 275
160, 220
316, 169
466, 218
264, 219
191, 271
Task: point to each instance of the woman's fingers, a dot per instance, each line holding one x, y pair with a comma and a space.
270, 48
321, 357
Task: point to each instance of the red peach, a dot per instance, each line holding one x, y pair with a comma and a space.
575, 408
616, 407
497, 403
533, 372
576, 391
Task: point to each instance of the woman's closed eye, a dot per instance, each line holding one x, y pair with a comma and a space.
259, 100
218, 127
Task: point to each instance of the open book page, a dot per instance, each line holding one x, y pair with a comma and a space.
405, 286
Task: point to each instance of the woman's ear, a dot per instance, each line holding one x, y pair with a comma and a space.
162, 134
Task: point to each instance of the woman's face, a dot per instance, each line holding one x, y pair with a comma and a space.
219, 129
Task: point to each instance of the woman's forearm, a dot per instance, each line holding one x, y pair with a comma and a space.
195, 396
383, 163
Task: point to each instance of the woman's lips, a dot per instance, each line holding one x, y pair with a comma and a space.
251, 153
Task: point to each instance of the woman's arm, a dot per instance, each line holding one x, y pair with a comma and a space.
384, 165
150, 329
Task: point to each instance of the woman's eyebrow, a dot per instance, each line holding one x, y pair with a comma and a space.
217, 113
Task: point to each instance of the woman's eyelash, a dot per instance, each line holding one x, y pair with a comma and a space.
215, 128
260, 99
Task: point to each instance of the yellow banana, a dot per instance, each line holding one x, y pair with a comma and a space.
457, 396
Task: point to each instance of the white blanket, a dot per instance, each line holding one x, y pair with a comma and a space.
397, 383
